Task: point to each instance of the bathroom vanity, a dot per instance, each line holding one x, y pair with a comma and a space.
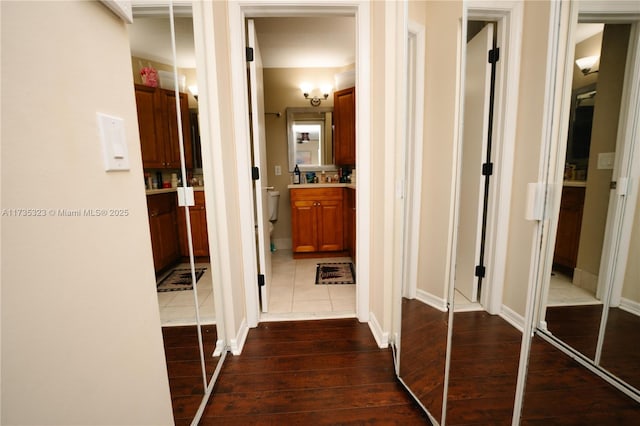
319, 219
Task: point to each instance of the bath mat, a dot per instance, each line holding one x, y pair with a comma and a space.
178, 279
335, 273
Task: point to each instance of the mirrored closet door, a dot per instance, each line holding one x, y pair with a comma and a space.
163, 59
589, 292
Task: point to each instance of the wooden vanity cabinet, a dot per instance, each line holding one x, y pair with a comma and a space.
565, 255
199, 235
317, 216
158, 126
163, 227
350, 222
344, 120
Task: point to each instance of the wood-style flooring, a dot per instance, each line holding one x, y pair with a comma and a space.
559, 391
184, 368
311, 373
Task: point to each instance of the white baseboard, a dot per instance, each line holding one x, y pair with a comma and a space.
512, 317
282, 243
630, 306
585, 280
431, 300
237, 343
219, 348
382, 337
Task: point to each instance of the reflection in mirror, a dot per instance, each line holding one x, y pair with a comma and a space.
310, 136
579, 283
485, 348
178, 234
619, 356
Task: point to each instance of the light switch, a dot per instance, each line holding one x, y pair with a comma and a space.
605, 160
278, 170
114, 144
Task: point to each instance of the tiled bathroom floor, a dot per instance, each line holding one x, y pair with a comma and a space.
562, 292
178, 307
294, 293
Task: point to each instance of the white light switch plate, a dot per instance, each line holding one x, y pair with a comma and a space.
605, 160
114, 144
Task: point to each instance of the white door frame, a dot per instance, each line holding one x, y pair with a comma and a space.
508, 15
238, 11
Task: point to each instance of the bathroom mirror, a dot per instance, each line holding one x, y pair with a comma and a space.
310, 138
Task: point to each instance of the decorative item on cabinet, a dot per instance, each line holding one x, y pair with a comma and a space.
158, 125
317, 217
344, 119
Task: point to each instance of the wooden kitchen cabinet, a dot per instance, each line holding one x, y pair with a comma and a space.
164, 229
158, 126
565, 255
317, 220
344, 120
199, 235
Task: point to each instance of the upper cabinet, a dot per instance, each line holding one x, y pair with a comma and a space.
157, 121
344, 119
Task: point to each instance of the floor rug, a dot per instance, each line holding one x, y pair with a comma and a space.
335, 273
178, 279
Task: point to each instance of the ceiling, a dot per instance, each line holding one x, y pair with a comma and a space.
318, 42
584, 31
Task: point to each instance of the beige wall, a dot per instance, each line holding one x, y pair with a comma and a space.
282, 90
529, 139
81, 340
603, 139
441, 19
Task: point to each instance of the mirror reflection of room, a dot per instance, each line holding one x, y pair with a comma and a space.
578, 287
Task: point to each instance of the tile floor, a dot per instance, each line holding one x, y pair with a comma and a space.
177, 307
294, 293
562, 292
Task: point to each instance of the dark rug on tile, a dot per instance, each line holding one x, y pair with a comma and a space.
335, 273
178, 279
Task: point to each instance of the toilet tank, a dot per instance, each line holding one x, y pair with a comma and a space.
273, 201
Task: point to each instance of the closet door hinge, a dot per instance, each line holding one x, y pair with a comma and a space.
487, 169
249, 54
260, 280
255, 173
494, 55
480, 271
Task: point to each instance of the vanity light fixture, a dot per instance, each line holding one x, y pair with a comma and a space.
194, 91
586, 64
315, 100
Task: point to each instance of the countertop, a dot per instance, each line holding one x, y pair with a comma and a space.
166, 190
322, 185
575, 183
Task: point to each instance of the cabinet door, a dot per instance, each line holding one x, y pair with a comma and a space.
569, 226
172, 145
330, 225
149, 125
304, 226
344, 118
350, 222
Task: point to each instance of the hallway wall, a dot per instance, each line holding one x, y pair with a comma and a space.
81, 338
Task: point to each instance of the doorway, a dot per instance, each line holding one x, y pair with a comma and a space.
239, 14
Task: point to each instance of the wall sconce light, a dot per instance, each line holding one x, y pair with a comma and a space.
194, 91
315, 100
586, 64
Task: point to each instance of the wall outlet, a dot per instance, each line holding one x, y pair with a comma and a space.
278, 170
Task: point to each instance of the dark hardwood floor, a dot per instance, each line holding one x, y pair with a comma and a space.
559, 391
184, 369
485, 351
311, 372
577, 326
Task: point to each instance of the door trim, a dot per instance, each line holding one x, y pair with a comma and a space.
238, 11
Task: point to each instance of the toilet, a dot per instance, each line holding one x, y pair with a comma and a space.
273, 201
